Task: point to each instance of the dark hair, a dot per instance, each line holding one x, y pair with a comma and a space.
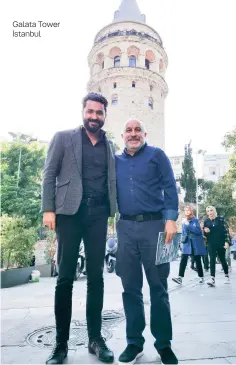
95, 97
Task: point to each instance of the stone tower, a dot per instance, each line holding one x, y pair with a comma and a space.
127, 65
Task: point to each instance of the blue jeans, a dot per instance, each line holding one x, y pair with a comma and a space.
137, 244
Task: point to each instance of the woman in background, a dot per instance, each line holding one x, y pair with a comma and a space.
193, 245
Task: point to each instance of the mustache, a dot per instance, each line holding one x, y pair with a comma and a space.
134, 139
98, 121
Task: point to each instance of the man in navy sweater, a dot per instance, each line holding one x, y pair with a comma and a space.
148, 204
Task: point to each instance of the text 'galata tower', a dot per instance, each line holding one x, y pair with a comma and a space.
127, 65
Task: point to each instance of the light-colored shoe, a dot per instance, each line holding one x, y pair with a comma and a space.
211, 281
227, 280
201, 281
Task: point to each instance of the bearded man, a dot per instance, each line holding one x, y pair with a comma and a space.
79, 194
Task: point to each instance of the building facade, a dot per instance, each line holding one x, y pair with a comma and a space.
127, 65
211, 167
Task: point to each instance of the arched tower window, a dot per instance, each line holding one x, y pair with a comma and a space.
117, 61
115, 54
149, 58
114, 85
150, 103
132, 61
147, 64
114, 99
133, 84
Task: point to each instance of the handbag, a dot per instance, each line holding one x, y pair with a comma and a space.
184, 238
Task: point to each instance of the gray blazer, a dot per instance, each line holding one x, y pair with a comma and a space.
62, 188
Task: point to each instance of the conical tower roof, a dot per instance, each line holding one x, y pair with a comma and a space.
129, 11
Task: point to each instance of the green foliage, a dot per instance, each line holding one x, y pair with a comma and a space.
230, 140
50, 247
221, 197
17, 242
111, 137
22, 197
205, 187
221, 194
187, 179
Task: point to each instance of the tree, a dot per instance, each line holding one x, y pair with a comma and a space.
221, 197
230, 140
22, 196
187, 179
205, 187
221, 194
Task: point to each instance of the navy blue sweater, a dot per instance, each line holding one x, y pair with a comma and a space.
146, 183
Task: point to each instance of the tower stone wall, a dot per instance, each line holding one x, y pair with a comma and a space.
127, 65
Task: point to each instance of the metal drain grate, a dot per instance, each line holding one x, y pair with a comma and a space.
45, 337
109, 318
112, 317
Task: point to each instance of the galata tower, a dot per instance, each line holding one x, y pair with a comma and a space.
127, 65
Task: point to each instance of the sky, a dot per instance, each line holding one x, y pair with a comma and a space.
44, 79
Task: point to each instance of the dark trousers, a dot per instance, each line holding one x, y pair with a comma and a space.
213, 252
183, 265
89, 224
206, 261
137, 244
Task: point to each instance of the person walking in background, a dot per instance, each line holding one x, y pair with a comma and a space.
233, 241
218, 240
148, 204
79, 194
192, 244
205, 258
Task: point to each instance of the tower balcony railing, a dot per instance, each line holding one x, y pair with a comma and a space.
132, 32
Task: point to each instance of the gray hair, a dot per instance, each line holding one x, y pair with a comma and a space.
142, 125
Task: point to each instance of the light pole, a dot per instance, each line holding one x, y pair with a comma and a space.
199, 152
23, 138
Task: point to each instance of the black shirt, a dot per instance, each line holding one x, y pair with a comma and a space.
95, 166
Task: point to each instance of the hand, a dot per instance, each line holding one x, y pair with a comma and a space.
170, 229
226, 245
49, 220
206, 230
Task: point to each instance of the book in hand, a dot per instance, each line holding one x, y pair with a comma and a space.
167, 252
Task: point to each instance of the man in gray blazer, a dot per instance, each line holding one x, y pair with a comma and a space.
79, 194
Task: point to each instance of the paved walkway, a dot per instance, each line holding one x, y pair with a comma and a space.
204, 321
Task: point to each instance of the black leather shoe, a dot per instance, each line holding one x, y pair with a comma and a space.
59, 353
167, 356
99, 348
130, 355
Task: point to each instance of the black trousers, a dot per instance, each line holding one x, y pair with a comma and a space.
183, 265
206, 261
89, 224
213, 252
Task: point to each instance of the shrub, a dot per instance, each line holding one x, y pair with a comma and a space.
17, 242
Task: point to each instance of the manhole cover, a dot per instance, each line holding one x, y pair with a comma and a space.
112, 317
45, 337
109, 318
